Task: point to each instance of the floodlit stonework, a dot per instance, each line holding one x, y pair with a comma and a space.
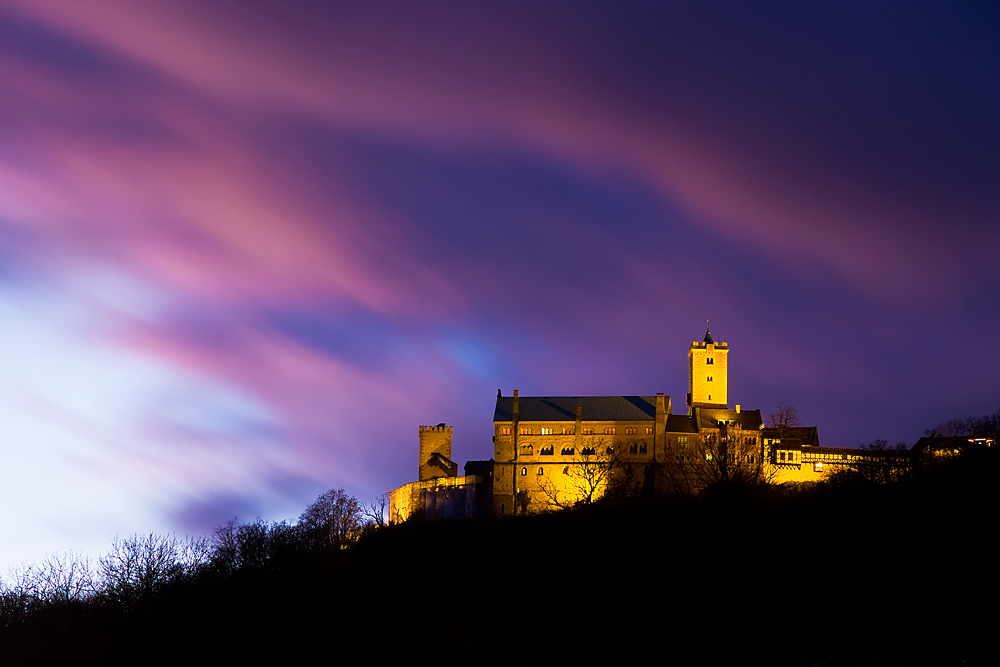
555, 451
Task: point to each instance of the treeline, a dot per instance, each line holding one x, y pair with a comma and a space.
72, 608
972, 427
869, 573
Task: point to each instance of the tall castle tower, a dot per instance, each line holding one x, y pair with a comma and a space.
708, 382
435, 453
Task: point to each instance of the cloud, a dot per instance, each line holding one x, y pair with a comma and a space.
247, 243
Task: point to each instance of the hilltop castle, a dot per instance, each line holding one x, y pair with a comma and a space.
554, 451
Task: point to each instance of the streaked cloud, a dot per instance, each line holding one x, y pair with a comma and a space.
246, 249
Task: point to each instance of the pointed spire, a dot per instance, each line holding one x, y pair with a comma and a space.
708, 330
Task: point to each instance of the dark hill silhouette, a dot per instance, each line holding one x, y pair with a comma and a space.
893, 574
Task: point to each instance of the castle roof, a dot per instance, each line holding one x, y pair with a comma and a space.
748, 420
708, 337
808, 436
563, 408
681, 424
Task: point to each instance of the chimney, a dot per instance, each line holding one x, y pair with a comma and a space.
517, 407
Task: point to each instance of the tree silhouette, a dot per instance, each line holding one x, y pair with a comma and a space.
335, 519
783, 418
585, 479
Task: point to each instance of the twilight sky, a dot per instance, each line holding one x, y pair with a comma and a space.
247, 248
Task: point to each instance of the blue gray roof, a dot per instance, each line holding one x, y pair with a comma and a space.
563, 408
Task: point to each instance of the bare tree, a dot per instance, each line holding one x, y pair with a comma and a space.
731, 456
138, 567
735, 456
877, 463
375, 511
257, 545
66, 577
783, 418
586, 479
335, 519
974, 427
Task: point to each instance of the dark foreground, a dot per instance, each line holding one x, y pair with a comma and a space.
892, 575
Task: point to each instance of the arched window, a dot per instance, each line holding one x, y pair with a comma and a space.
541, 471
524, 471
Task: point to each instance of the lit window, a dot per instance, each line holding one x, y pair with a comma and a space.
569, 430
546, 431
682, 442
525, 430
630, 430
649, 430
588, 431
609, 430
524, 471
506, 430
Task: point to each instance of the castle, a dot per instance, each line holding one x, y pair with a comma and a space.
555, 451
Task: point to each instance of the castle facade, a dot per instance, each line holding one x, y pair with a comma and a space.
556, 451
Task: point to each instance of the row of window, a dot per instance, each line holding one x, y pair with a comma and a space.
528, 450
571, 430
541, 471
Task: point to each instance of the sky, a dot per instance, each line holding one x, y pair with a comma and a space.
248, 248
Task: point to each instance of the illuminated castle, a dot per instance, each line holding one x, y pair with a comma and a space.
554, 451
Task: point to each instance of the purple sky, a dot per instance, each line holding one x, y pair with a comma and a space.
246, 249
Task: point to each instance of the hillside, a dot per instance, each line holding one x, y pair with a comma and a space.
897, 574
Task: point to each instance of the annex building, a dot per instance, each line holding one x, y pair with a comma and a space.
555, 451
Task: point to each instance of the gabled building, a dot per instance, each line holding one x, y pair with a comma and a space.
554, 451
